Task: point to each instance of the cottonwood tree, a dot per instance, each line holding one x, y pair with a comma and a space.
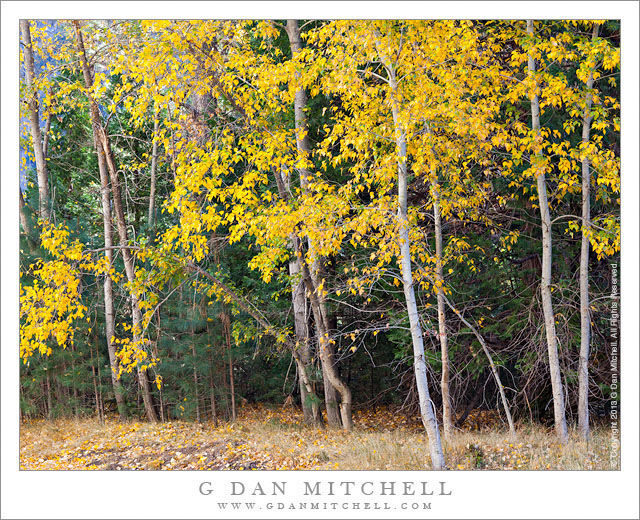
247, 125
33, 112
432, 90
538, 167
106, 162
109, 311
380, 204
591, 114
598, 112
558, 157
303, 146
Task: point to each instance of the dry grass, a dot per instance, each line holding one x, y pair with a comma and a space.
276, 439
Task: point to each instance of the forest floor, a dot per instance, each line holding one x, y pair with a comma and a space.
274, 438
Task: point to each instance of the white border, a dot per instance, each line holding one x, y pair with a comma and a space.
164, 495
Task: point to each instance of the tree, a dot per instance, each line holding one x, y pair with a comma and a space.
151, 220
25, 222
299, 298
34, 121
110, 318
447, 420
545, 280
105, 156
356, 196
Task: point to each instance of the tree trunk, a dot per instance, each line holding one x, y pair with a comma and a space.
151, 222
325, 347
26, 223
154, 353
96, 392
34, 122
45, 137
109, 311
304, 148
195, 380
545, 282
475, 401
21, 400
447, 420
259, 317
427, 411
331, 403
122, 233
310, 402
49, 400
420, 366
24, 219
331, 394
300, 102
212, 390
585, 316
307, 412
74, 387
226, 331
100, 399
332, 377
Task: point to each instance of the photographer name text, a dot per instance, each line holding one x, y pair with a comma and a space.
327, 488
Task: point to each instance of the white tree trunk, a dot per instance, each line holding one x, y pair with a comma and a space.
310, 404
34, 122
585, 315
447, 421
151, 221
109, 313
304, 148
545, 282
127, 257
420, 366
129, 267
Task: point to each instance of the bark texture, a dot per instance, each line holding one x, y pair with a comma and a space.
310, 402
420, 366
108, 234
151, 220
545, 279
447, 421
585, 315
33, 110
129, 266
334, 411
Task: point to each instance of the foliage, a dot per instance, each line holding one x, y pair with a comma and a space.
235, 192
274, 439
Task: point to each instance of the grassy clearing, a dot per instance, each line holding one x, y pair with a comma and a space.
267, 439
